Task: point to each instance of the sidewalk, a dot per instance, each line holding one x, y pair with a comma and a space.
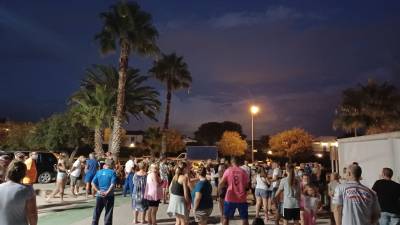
79, 211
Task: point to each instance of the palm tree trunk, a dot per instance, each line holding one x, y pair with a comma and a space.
168, 108
98, 141
123, 68
166, 121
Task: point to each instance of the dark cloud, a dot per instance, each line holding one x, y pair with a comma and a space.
292, 59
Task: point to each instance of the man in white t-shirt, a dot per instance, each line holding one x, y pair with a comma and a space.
128, 184
354, 203
75, 174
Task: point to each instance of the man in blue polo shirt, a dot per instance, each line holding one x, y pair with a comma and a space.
103, 183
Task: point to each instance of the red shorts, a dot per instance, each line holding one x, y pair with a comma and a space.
164, 184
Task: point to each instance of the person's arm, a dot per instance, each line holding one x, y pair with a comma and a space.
186, 189
265, 180
197, 199
95, 183
31, 210
337, 212
337, 202
279, 191
376, 211
222, 184
113, 183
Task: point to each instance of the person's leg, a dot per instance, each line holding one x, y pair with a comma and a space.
125, 187
55, 191
243, 213
72, 186
97, 210
265, 205
149, 213
109, 204
258, 205
229, 211
221, 208
87, 189
62, 188
135, 216
130, 183
144, 217
154, 215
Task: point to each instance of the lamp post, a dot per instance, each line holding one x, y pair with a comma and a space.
253, 110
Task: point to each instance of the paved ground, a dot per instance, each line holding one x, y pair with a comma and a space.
79, 211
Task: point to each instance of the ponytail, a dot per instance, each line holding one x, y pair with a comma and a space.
291, 177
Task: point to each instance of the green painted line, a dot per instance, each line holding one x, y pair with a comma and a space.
81, 212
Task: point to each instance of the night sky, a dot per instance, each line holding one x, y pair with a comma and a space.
293, 58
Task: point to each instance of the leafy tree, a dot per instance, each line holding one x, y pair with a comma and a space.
174, 141
153, 136
290, 143
152, 139
126, 25
59, 132
173, 72
98, 97
211, 132
373, 107
232, 144
15, 135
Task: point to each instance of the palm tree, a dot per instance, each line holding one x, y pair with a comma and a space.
126, 25
141, 100
173, 72
94, 108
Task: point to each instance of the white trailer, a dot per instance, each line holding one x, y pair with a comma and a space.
372, 152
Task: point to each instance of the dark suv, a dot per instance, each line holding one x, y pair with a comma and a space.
44, 165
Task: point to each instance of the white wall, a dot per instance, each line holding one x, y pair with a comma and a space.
372, 152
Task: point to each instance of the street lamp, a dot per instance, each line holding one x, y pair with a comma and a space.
253, 110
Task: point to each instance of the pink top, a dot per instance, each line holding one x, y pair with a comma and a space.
237, 181
153, 191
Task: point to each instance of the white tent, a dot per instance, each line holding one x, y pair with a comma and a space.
372, 152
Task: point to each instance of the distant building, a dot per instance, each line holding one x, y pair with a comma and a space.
189, 140
325, 146
133, 138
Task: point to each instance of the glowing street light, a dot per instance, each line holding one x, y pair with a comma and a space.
132, 145
269, 152
253, 110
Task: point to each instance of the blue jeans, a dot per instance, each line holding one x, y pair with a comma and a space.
101, 203
128, 185
389, 219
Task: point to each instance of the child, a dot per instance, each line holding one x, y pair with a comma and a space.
310, 202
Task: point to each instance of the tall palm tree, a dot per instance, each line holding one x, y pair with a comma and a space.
126, 25
141, 100
173, 72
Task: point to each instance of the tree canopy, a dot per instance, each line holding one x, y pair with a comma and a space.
153, 137
372, 108
210, 133
290, 142
59, 132
232, 144
15, 136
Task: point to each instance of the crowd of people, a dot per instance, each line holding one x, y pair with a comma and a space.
296, 194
